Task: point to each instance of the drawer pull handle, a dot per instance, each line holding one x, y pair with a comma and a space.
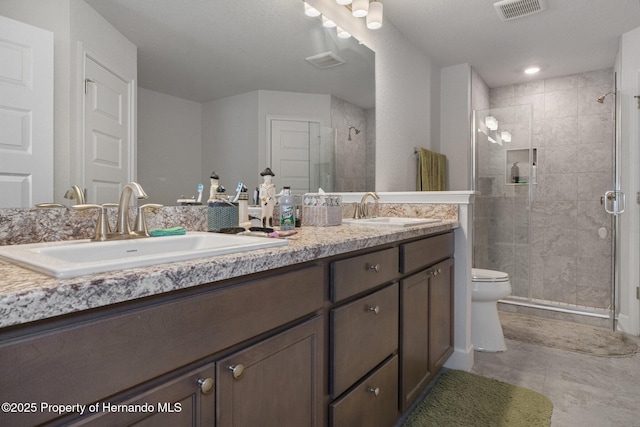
374, 310
236, 371
375, 267
375, 391
206, 385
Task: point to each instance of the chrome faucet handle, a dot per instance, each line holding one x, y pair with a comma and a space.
140, 228
102, 224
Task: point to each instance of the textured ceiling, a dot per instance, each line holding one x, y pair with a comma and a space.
570, 36
208, 49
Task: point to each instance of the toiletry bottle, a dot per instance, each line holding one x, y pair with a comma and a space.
213, 189
287, 216
515, 173
534, 173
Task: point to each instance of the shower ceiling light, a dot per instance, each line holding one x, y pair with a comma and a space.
532, 70
491, 122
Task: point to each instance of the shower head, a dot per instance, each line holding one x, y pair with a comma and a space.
357, 132
602, 97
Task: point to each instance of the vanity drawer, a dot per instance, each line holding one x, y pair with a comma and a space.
363, 334
372, 403
426, 252
357, 274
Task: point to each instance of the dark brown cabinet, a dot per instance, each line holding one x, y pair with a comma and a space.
188, 400
426, 321
277, 382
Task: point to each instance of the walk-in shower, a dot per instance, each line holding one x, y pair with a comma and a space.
542, 165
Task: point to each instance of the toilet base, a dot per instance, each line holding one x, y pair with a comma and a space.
486, 330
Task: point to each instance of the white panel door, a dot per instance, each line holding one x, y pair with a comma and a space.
290, 155
26, 114
108, 152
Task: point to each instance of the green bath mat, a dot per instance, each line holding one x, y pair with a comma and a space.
460, 399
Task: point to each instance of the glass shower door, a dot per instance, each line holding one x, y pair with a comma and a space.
504, 172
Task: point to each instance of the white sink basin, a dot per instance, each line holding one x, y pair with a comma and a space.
78, 257
389, 221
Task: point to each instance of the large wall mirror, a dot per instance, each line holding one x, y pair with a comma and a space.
213, 76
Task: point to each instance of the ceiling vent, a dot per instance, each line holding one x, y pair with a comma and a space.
513, 9
325, 60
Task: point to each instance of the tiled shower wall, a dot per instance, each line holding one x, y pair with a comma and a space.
549, 238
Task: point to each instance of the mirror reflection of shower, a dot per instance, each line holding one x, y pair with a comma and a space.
357, 132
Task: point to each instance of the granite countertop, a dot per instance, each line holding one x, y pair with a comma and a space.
27, 296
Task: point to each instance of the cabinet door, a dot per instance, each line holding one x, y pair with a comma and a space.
414, 338
441, 316
188, 400
277, 382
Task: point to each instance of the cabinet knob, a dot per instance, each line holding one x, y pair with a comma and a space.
375, 391
236, 371
374, 267
206, 385
374, 310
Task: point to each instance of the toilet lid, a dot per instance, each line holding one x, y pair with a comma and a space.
482, 275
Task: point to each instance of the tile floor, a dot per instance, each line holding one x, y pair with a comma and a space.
586, 391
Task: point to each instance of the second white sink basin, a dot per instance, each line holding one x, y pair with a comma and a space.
79, 257
389, 221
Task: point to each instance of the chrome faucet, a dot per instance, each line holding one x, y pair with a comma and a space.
361, 209
74, 192
123, 226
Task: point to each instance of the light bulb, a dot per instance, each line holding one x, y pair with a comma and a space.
374, 18
311, 11
360, 8
344, 2
327, 23
342, 33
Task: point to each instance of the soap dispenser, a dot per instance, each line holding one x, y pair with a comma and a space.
515, 173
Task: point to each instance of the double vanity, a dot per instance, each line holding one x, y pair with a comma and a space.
339, 326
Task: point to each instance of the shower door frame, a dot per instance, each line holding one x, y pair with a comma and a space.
614, 224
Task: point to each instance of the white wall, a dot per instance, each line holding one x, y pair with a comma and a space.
629, 134
230, 140
170, 145
407, 98
455, 125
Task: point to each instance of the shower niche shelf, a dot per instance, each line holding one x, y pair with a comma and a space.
524, 158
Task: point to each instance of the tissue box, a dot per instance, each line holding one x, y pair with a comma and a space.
321, 210
221, 215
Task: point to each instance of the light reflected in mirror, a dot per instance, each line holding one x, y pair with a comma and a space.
212, 75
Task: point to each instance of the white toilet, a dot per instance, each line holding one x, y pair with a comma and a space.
488, 287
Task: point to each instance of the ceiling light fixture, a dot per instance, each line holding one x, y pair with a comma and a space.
360, 8
374, 18
327, 23
506, 136
344, 2
342, 33
310, 10
532, 70
491, 122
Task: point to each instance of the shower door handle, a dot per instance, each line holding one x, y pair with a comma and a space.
614, 202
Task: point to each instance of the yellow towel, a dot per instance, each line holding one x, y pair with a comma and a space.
432, 171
